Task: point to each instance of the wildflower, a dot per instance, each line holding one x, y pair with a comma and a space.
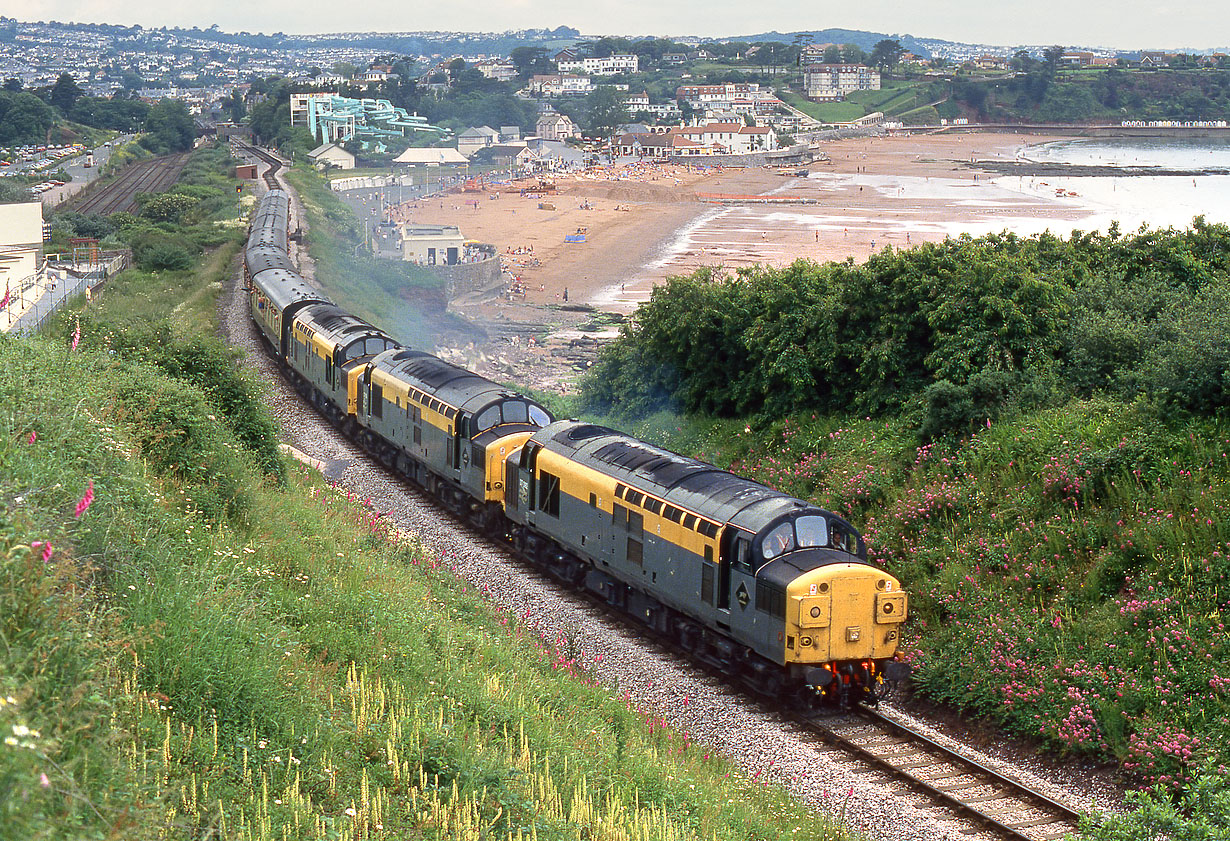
46, 549
43, 781
33, 437
84, 503
77, 334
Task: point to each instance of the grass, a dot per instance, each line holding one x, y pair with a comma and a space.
214, 647
204, 652
825, 112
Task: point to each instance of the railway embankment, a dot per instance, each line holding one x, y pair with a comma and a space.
198, 634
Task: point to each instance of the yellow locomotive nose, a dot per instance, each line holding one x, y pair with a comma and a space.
843, 612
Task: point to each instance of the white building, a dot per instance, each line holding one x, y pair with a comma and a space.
564, 84
608, 66
331, 155
473, 139
432, 245
556, 127
299, 104
21, 266
727, 138
834, 82
498, 69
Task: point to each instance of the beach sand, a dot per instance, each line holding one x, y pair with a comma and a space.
645, 222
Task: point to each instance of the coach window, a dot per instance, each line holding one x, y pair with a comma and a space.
812, 531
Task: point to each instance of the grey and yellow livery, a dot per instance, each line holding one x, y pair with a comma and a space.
774, 592
747, 578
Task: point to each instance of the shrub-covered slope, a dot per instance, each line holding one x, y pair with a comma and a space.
1032, 434
191, 648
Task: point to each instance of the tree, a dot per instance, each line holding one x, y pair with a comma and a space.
853, 54
832, 54
606, 111
65, 93
12, 84
169, 128
885, 55
234, 106
530, 60
24, 118
1022, 62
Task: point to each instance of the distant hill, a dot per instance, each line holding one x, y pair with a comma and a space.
863, 40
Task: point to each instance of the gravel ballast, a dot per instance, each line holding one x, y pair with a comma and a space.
767, 747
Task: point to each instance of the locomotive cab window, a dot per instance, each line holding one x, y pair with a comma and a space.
812, 531
539, 416
779, 540
515, 412
743, 554
842, 539
486, 419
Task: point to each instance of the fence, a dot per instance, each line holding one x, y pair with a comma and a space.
42, 295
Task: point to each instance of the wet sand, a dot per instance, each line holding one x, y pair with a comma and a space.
645, 223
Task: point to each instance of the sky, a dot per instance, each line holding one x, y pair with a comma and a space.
1118, 24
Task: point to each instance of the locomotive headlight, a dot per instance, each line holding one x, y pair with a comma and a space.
815, 612
888, 607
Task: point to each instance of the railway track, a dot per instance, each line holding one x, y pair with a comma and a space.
976, 793
152, 176
275, 163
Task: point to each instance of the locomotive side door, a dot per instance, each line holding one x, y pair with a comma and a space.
734, 552
527, 482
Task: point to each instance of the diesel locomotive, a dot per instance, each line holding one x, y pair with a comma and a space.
772, 591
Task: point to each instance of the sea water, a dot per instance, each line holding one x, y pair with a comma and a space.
1136, 200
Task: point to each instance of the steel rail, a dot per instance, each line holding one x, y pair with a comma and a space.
1007, 788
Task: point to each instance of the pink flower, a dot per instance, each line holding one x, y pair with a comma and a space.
77, 334
33, 437
46, 549
43, 781
84, 503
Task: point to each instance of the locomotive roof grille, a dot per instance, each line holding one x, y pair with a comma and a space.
665, 468
436, 372
582, 433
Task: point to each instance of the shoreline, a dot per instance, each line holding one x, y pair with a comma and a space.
646, 222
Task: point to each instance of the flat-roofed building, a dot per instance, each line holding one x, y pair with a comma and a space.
432, 245
299, 104
21, 266
834, 82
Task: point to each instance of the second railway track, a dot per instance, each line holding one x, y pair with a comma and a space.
975, 792
152, 176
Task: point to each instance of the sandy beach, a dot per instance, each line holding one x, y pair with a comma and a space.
645, 222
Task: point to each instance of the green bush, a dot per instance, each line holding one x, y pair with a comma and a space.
968, 329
